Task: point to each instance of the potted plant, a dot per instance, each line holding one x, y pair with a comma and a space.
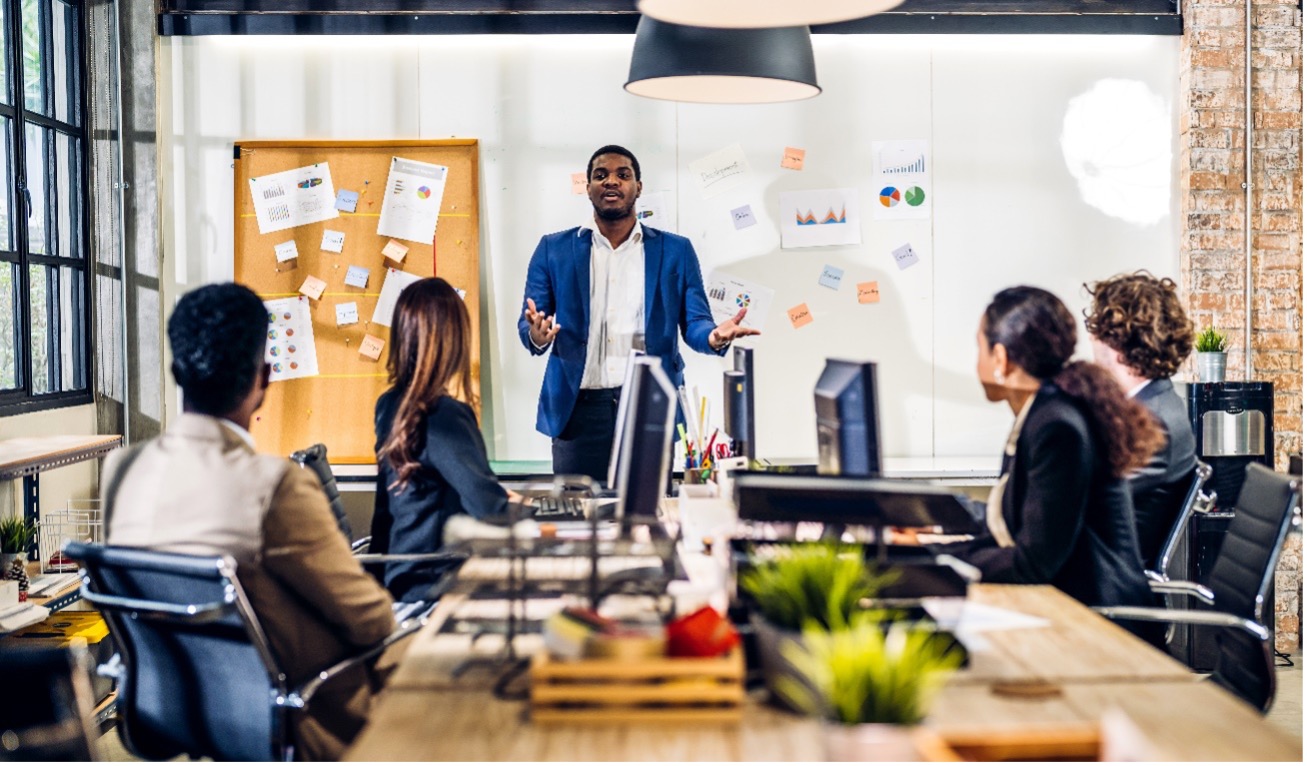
869, 684
820, 583
16, 536
1211, 347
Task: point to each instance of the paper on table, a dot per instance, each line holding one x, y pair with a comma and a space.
961, 615
393, 285
286, 251
720, 171
395, 251
743, 217
831, 276
820, 217
333, 241
293, 198
347, 313
356, 276
411, 207
371, 347
291, 350
313, 287
792, 158
728, 294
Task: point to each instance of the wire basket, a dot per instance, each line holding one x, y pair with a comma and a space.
82, 521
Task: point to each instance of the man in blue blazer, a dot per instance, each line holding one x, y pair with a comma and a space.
598, 291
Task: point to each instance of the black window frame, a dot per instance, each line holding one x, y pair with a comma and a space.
22, 399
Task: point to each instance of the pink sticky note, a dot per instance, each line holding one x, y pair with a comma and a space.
371, 347
868, 292
395, 251
578, 183
313, 287
793, 158
800, 316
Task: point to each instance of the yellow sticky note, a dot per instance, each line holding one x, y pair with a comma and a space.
395, 251
371, 347
793, 158
800, 316
578, 183
868, 292
313, 287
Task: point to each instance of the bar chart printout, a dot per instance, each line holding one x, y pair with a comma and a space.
902, 171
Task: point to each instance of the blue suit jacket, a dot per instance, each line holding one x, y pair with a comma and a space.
558, 280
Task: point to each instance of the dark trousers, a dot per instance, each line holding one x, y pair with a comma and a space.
586, 443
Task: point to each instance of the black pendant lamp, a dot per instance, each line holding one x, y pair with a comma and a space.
722, 66
748, 14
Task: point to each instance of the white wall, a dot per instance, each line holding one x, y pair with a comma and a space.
75, 482
1007, 208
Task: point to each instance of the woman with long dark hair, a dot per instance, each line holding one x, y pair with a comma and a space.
431, 459
1061, 513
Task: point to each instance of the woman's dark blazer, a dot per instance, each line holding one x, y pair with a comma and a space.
1071, 520
454, 477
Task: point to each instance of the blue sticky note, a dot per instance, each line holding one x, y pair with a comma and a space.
743, 217
831, 277
347, 200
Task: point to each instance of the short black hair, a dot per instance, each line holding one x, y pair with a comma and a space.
218, 334
612, 149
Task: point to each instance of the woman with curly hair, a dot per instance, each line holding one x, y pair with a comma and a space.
1060, 514
1141, 336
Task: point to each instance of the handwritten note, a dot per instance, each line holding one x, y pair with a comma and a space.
743, 217
286, 251
578, 183
333, 241
371, 347
347, 313
313, 287
792, 159
395, 251
356, 276
831, 277
720, 171
905, 256
347, 201
868, 292
800, 316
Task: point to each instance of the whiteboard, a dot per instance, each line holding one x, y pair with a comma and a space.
1007, 205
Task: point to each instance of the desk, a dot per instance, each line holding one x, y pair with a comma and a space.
427, 715
27, 456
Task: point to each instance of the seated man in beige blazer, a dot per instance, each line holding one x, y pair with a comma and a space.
201, 488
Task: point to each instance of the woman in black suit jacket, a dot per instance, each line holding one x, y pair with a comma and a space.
431, 459
1061, 512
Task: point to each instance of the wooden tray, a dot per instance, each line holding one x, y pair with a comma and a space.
665, 690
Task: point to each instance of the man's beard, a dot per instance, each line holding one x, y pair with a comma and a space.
614, 214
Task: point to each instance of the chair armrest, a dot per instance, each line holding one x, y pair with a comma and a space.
1153, 577
1187, 616
1183, 588
383, 558
190, 614
360, 544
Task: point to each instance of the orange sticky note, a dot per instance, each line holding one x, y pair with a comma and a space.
800, 316
793, 158
868, 292
395, 251
371, 347
578, 183
313, 287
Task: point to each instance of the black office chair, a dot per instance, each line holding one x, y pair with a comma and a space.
315, 459
1195, 501
46, 714
1240, 583
197, 676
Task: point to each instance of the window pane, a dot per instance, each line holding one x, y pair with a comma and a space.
39, 286
6, 187
72, 329
65, 55
34, 91
8, 326
38, 214
68, 190
4, 53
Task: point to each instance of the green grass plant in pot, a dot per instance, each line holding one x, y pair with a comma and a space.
1211, 347
869, 684
820, 583
16, 536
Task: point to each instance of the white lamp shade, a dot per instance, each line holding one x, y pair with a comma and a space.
752, 14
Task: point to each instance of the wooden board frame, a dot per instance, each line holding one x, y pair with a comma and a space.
336, 406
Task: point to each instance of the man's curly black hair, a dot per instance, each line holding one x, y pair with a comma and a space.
218, 334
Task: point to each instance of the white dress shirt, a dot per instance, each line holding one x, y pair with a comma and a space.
616, 306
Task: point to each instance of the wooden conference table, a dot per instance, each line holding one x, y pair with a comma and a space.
1090, 665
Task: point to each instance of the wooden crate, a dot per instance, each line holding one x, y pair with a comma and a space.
665, 690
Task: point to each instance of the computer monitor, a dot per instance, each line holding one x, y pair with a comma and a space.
848, 426
620, 428
643, 460
738, 403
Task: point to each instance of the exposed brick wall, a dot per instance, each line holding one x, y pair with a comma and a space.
1211, 148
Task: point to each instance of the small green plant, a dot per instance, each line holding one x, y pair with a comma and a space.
820, 582
1210, 341
867, 674
16, 535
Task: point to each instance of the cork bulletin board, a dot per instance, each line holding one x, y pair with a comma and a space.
336, 406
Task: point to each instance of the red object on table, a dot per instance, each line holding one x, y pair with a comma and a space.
704, 633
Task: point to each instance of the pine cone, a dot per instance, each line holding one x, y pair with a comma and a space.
18, 571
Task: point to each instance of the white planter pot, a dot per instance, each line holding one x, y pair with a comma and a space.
1211, 366
869, 742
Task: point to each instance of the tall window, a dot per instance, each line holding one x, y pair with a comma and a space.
44, 293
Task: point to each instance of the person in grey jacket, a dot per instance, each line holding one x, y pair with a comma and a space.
1142, 335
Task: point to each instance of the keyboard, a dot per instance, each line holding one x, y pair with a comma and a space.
558, 509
